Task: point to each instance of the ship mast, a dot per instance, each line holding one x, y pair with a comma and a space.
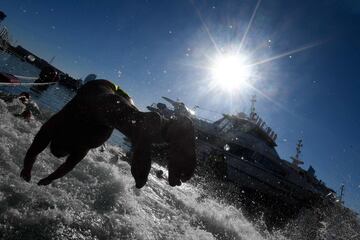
296, 159
342, 188
252, 109
253, 101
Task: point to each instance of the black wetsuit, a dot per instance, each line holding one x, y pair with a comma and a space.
89, 119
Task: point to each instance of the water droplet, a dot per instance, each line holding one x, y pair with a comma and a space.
226, 147
119, 73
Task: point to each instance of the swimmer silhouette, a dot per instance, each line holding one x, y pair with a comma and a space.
88, 120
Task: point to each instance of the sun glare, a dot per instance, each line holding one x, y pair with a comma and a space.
229, 72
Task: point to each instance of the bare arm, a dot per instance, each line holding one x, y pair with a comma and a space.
73, 159
117, 112
141, 162
182, 157
40, 142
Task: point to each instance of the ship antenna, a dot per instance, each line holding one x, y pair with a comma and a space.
296, 159
253, 101
298, 148
342, 190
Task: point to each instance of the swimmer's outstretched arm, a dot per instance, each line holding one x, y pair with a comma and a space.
41, 140
73, 159
141, 162
119, 113
182, 157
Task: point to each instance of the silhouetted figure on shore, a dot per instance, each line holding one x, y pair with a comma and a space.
89, 119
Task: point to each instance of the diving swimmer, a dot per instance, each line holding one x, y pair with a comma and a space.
89, 119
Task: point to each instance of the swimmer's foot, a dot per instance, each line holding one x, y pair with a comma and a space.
26, 174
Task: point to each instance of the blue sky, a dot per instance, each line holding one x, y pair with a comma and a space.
163, 48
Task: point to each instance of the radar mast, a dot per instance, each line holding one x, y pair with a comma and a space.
253, 114
253, 101
342, 190
296, 159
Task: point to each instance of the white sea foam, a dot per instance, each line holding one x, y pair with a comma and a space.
98, 200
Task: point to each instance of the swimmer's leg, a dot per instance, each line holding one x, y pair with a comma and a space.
73, 159
41, 140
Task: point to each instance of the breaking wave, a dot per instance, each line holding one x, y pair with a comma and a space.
98, 200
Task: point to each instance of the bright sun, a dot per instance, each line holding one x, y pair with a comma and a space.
229, 72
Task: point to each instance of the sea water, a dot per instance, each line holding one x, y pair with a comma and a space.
98, 200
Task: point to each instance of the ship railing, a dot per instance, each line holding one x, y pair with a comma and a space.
204, 119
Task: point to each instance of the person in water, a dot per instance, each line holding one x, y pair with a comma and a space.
31, 108
21, 105
89, 119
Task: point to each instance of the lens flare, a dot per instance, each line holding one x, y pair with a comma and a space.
229, 72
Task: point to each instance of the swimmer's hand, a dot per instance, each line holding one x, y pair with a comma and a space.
44, 181
25, 174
